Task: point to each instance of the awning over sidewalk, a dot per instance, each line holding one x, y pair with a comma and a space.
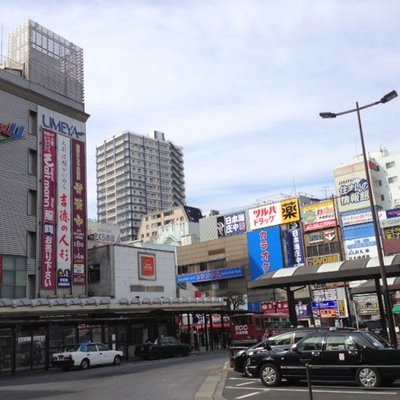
333, 272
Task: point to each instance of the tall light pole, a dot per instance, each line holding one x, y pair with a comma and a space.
386, 297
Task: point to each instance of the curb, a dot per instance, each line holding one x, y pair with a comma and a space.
213, 385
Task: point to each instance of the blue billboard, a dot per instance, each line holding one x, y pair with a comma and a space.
265, 251
212, 275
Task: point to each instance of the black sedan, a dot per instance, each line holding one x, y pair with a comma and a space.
283, 341
164, 346
333, 355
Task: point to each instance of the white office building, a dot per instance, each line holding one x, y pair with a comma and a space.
137, 175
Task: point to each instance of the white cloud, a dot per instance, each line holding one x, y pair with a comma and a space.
238, 84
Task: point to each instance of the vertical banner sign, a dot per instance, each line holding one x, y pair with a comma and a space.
265, 251
63, 212
48, 246
294, 247
78, 213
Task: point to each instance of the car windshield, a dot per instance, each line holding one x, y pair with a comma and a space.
74, 347
376, 340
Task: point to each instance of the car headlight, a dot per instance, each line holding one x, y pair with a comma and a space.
239, 353
250, 353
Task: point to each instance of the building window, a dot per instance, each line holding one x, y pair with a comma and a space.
32, 162
380, 183
94, 273
33, 123
14, 277
32, 202
31, 244
382, 197
392, 179
390, 164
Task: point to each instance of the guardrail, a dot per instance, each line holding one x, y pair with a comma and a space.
310, 366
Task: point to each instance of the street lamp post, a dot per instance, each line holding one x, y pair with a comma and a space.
386, 297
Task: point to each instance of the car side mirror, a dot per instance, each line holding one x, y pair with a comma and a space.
294, 348
267, 346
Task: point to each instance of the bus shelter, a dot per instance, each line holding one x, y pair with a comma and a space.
31, 330
344, 271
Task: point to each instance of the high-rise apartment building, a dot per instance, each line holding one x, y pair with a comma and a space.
137, 175
43, 166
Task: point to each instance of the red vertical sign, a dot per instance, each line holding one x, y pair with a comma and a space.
78, 212
48, 236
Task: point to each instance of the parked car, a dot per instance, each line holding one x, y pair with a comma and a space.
84, 355
283, 341
352, 355
163, 346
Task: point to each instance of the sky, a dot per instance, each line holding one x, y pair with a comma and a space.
239, 84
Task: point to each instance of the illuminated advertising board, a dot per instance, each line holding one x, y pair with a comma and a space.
392, 233
78, 213
359, 242
319, 216
283, 212
63, 203
352, 186
231, 224
294, 247
48, 234
356, 217
147, 266
212, 275
265, 251
389, 218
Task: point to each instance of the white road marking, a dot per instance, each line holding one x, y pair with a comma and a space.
361, 392
247, 395
244, 384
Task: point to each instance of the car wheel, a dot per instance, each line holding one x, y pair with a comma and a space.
246, 371
368, 377
117, 360
84, 364
270, 375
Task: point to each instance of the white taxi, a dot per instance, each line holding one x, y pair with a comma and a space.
84, 355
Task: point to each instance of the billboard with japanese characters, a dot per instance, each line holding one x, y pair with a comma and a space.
319, 215
231, 224
265, 251
282, 212
352, 186
63, 200
359, 242
294, 247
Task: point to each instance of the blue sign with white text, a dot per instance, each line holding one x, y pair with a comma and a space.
212, 275
265, 251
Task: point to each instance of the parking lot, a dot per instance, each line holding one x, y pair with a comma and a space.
237, 387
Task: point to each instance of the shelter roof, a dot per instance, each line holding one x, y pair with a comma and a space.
350, 270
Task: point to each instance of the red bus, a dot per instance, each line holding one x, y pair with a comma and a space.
247, 329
